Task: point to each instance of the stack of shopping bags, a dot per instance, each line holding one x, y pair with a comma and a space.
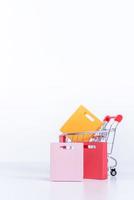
82, 151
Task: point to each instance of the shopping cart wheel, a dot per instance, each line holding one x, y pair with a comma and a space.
113, 172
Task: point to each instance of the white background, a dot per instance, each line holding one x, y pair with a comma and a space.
56, 55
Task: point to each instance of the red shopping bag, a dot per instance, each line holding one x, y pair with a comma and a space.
95, 160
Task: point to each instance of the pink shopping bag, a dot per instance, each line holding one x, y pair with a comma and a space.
66, 162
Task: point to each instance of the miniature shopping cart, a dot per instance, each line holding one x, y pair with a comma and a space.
107, 134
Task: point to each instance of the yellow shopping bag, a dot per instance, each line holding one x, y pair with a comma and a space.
82, 120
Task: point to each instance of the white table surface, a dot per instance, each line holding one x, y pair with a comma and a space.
22, 181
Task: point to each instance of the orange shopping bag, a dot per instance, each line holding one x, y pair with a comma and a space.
82, 120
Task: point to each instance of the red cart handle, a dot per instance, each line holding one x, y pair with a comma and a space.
117, 118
